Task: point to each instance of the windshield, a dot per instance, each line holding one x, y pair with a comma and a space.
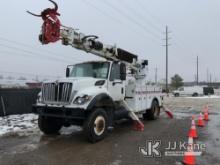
91, 69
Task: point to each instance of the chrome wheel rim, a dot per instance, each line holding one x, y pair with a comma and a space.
99, 125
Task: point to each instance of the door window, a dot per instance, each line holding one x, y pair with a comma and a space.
181, 89
115, 72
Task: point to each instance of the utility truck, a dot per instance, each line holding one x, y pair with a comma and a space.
94, 94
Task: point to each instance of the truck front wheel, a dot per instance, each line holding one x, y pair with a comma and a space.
95, 126
49, 125
154, 112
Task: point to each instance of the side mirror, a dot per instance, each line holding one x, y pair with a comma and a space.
122, 71
145, 63
67, 72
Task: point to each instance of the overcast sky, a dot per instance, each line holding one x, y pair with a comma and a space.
134, 25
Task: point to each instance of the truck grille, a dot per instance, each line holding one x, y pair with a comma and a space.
56, 92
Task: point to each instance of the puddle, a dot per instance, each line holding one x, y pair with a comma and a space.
180, 115
70, 130
210, 134
116, 162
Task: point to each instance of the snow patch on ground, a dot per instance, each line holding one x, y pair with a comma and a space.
27, 124
15, 124
205, 97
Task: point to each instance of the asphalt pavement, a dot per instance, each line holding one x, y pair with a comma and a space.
123, 145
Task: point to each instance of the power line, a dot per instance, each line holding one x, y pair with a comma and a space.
33, 53
88, 3
11, 53
148, 13
145, 9
139, 15
32, 47
157, 19
131, 19
179, 42
27, 74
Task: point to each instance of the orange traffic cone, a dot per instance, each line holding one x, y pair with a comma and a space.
200, 122
189, 156
206, 116
193, 133
206, 108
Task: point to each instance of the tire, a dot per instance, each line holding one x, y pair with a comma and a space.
154, 112
195, 94
95, 126
49, 125
176, 94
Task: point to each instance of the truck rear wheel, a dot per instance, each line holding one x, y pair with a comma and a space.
95, 126
176, 94
154, 112
195, 95
49, 125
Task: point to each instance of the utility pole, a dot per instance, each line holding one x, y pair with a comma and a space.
156, 75
207, 72
167, 45
197, 70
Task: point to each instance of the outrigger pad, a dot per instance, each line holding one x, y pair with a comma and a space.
138, 125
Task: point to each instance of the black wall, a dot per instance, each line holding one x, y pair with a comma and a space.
17, 101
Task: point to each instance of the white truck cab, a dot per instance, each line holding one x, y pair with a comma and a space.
94, 92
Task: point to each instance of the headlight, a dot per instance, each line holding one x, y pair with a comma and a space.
82, 100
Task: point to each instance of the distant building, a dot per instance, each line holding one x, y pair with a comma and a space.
19, 84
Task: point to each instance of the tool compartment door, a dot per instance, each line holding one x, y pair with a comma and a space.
135, 102
144, 97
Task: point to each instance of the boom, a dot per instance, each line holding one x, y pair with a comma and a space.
90, 44
53, 30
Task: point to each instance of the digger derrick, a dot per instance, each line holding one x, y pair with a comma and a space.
52, 31
101, 92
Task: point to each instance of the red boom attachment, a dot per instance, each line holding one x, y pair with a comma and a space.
51, 25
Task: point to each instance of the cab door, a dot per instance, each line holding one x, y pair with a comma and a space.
116, 86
